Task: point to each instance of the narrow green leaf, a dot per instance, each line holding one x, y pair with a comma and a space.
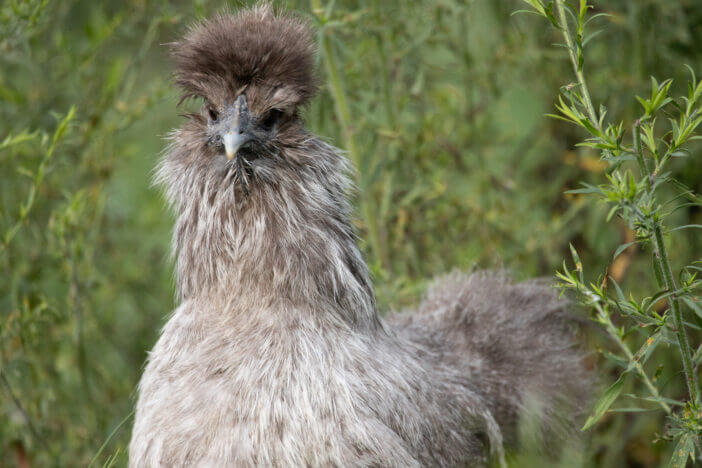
622, 248
648, 347
614, 359
698, 355
536, 5
587, 188
577, 262
620, 293
612, 212
109, 438
551, 17
697, 308
22, 137
632, 410
592, 36
531, 12
651, 301
654, 399
609, 397
684, 449
687, 226
598, 15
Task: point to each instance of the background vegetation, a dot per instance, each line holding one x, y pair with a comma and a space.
445, 104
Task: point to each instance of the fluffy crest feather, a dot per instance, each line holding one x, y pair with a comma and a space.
220, 57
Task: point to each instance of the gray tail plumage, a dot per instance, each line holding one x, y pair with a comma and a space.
516, 341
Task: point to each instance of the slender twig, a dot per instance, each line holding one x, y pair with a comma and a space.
26, 207
612, 330
660, 255
576, 68
109, 438
604, 317
74, 299
344, 115
22, 410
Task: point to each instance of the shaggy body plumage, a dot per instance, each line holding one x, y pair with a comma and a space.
276, 355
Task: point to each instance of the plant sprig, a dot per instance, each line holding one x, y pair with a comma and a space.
635, 197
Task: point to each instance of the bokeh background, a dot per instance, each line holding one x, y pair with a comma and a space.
458, 168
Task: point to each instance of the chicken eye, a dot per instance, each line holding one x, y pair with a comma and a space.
214, 115
271, 118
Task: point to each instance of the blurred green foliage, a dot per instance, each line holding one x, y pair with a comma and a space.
458, 165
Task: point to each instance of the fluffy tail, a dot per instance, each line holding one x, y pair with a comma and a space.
516, 343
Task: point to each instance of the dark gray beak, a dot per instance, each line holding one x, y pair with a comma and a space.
236, 133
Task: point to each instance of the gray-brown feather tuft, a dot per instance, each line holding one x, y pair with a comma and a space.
255, 46
515, 341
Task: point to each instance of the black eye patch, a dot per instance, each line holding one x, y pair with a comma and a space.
214, 115
271, 118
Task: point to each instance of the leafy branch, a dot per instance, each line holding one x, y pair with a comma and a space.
636, 199
49, 143
324, 18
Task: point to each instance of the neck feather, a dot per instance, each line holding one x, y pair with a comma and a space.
289, 245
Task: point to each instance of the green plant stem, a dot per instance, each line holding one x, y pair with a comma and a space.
643, 167
611, 329
344, 115
26, 207
661, 257
639, 369
22, 410
576, 68
605, 319
109, 438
